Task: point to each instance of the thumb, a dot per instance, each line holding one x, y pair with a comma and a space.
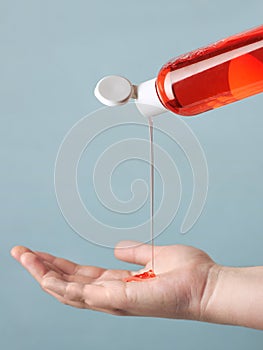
133, 252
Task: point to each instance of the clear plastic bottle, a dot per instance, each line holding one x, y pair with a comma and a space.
221, 73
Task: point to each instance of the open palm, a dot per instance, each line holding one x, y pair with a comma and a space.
176, 292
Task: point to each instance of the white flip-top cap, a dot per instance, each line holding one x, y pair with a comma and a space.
115, 90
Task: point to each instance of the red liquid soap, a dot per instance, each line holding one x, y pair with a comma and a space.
141, 276
213, 76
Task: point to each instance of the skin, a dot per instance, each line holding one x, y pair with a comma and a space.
189, 285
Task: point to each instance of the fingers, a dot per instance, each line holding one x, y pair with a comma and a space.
91, 296
79, 305
68, 282
34, 265
59, 264
83, 305
18, 251
44, 271
72, 291
64, 265
71, 268
133, 252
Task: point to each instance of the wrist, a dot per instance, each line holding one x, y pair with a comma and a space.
209, 290
233, 296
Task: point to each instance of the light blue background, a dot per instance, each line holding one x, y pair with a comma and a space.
52, 54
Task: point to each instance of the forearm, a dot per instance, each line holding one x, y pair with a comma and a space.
234, 296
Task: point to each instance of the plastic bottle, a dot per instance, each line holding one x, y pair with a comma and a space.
224, 72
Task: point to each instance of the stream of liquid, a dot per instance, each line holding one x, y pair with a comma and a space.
151, 189
150, 273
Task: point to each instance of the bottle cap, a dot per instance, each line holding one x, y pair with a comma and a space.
113, 90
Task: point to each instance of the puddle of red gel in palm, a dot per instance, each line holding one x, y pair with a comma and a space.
141, 276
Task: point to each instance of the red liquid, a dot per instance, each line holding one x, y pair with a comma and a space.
141, 276
210, 77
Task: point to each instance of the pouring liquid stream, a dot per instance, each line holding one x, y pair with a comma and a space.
150, 273
151, 188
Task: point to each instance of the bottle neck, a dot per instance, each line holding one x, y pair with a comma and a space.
147, 100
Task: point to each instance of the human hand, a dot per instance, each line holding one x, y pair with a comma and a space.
180, 290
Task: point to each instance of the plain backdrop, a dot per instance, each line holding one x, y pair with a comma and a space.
52, 54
